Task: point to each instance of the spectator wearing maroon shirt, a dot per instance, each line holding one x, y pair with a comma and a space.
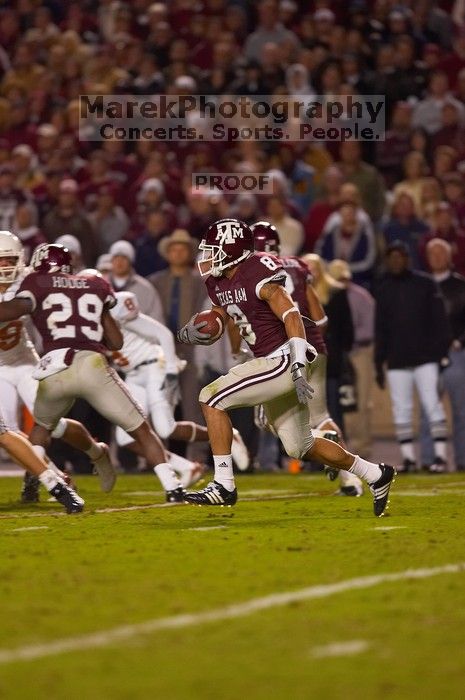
123, 169
18, 130
452, 131
98, 174
68, 217
324, 206
446, 227
453, 62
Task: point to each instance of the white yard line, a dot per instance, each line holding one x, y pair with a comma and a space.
28, 529
206, 529
390, 527
355, 646
96, 640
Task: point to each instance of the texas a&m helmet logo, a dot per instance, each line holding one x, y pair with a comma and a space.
51, 257
227, 242
229, 231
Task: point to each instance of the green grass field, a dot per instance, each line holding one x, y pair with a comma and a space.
68, 577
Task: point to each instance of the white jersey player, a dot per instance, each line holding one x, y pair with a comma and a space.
18, 360
148, 360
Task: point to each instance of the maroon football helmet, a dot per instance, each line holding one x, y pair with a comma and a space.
226, 243
266, 237
52, 258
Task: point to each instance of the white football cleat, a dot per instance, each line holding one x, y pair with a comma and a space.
239, 452
105, 470
192, 475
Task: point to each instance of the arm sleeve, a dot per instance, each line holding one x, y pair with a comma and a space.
156, 332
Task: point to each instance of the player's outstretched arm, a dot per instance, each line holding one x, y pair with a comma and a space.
283, 307
11, 310
156, 332
112, 336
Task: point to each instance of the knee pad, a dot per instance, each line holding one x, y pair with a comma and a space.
60, 429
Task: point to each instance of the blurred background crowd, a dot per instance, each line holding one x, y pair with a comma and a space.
360, 204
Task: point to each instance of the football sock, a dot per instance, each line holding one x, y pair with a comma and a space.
224, 471
94, 451
40, 452
49, 479
366, 470
406, 449
167, 476
440, 449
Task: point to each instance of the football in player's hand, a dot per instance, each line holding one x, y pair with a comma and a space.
214, 326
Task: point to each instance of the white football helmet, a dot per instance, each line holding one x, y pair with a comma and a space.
10, 247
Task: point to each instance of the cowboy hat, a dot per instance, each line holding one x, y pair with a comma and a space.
179, 235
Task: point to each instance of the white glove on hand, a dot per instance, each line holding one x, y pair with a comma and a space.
303, 389
190, 333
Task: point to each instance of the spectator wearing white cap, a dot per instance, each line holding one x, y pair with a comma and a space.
124, 279
74, 247
68, 217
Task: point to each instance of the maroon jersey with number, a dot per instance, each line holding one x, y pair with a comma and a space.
67, 309
298, 277
239, 296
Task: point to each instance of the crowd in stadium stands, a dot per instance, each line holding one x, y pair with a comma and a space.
348, 201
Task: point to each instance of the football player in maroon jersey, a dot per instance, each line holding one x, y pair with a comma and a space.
72, 315
299, 286
248, 288
18, 359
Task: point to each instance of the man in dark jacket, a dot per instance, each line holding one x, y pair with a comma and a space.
411, 339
